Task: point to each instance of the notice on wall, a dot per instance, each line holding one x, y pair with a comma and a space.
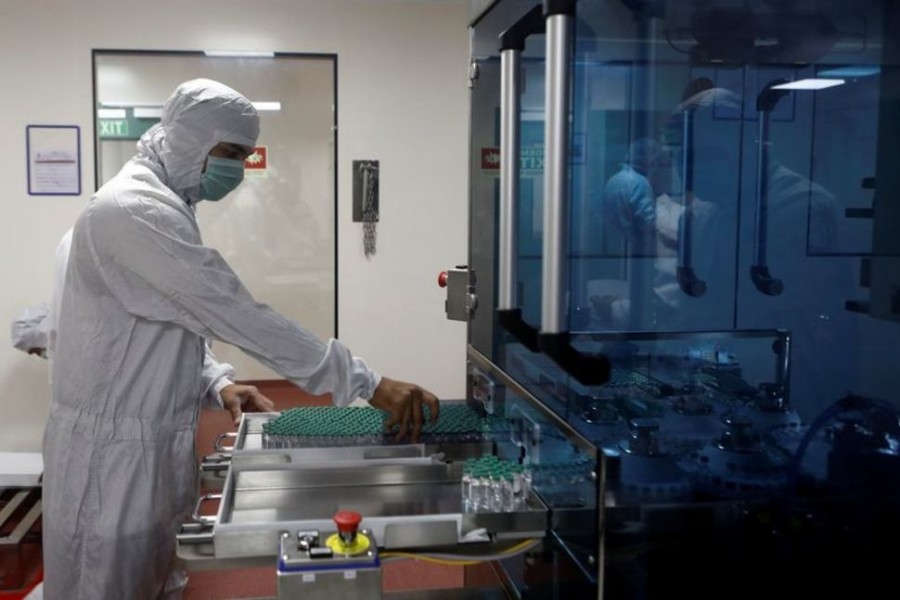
258, 161
54, 160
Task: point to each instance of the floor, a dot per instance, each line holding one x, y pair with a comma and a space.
260, 581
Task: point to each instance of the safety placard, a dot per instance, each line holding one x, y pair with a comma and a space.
490, 159
531, 160
54, 160
259, 160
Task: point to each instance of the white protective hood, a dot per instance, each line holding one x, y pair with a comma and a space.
199, 114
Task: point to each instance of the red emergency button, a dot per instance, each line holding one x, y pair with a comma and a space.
442, 279
347, 522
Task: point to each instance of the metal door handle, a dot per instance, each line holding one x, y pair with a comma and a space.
512, 44
689, 282
764, 281
205, 519
217, 445
554, 339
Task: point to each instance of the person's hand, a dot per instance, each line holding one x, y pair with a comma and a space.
237, 398
403, 403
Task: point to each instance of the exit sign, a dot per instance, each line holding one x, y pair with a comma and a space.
114, 128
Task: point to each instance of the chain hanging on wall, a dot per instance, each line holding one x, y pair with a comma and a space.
370, 206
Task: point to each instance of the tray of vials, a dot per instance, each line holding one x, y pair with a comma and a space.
326, 426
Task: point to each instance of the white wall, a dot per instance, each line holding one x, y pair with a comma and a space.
402, 99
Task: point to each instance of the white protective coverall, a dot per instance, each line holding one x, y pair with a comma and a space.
216, 375
60, 261
142, 293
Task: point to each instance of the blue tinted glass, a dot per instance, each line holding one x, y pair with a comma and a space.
732, 248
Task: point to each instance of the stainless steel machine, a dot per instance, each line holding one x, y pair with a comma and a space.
682, 298
683, 290
325, 509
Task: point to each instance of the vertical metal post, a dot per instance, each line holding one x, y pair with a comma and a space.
512, 44
510, 75
556, 173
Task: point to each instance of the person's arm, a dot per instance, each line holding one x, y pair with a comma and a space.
403, 402
216, 375
61, 261
628, 202
29, 330
220, 390
161, 277
238, 399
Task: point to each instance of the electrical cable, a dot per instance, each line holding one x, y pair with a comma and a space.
451, 559
392, 556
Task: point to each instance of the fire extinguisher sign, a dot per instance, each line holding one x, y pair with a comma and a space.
490, 159
258, 161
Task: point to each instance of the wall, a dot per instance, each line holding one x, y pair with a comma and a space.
402, 99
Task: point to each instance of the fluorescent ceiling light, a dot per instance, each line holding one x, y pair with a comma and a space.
267, 105
148, 113
152, 110
809, 84
111, 113
128, 104
238, 53
851, 71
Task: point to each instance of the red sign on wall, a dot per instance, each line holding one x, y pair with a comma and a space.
490, 159
259, 160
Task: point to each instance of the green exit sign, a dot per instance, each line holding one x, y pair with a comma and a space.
114, 128
127, 127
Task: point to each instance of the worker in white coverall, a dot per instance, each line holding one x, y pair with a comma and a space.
142, 294
34, 329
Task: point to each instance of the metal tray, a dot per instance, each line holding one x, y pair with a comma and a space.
403, 505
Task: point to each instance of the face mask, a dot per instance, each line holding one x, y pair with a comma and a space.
221, 176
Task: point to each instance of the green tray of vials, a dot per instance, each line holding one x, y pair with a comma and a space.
330, 426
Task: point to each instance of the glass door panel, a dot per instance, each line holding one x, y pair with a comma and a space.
655, 175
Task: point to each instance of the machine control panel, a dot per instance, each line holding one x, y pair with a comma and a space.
340, 564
